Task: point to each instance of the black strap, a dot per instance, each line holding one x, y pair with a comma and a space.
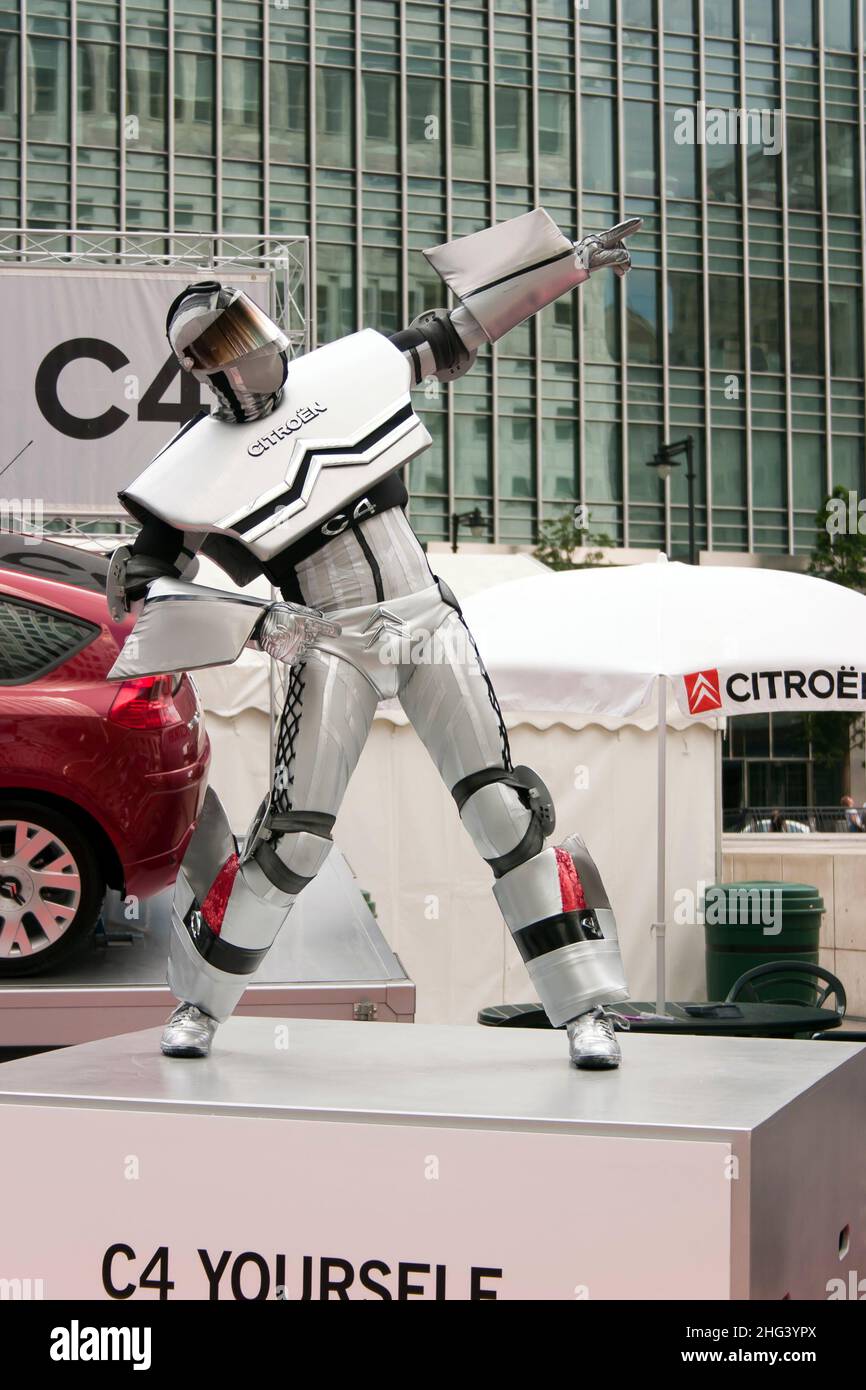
371, 561
565, 929
223, 955
515, 274
296, 822
474, 781
274, 869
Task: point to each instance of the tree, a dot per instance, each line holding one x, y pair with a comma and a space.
840, 557
840, 550
561, 536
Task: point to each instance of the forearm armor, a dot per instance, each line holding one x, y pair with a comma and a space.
502, 276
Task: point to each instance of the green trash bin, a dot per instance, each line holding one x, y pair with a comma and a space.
753, 923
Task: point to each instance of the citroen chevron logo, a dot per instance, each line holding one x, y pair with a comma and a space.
702, 689
382, 623
306, 463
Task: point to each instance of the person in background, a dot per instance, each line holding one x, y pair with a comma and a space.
853, 819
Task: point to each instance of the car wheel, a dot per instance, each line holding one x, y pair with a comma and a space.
51, 887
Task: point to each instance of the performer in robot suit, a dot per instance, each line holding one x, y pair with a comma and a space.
295, 476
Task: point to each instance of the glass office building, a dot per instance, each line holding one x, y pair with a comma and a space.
379, 127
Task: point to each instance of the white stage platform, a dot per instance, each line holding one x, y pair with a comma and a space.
333, 1159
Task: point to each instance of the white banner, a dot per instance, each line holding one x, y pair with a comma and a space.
89, 388
152, 1206
745, 690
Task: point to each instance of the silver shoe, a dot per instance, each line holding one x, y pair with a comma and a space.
188, 1033
592, 1043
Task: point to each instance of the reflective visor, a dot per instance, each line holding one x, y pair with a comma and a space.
240, 329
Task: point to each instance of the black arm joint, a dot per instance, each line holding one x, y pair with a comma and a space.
407, 339
158, 540
450, 353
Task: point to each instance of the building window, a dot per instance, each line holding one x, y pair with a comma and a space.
846, 331
335, 124
726, 323
512, 135
48, 88
641, 156
842, 191
598, 144
642, 299
769, 762
800, 23
807, 337
768, 320
686, 347
839, 24
380, 122
760, 21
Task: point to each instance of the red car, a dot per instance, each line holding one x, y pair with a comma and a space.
100, 781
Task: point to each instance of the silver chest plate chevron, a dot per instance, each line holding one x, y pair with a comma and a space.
345, 422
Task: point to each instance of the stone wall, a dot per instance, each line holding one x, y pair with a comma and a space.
836, 865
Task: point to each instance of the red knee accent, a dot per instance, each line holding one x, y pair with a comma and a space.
570, 886
213, 909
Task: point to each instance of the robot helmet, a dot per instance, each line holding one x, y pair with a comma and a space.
225, 340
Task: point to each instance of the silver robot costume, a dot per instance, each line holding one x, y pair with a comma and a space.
296, 477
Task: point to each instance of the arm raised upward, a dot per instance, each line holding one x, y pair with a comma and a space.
502, 276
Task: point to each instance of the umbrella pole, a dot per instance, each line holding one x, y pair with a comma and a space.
661, 865
717, 764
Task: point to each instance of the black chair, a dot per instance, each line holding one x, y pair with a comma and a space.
514, 1016
841, 1035
794, 974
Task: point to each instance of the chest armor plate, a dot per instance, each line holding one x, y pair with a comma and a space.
345, 422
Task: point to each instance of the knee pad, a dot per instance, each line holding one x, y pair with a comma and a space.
532, 795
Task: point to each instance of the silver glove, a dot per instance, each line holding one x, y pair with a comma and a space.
288, 630
602, 249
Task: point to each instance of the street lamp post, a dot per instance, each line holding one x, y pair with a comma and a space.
667, 458
476, 522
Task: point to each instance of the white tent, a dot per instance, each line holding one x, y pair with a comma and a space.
720, 640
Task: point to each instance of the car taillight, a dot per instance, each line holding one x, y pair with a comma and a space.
145, 703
